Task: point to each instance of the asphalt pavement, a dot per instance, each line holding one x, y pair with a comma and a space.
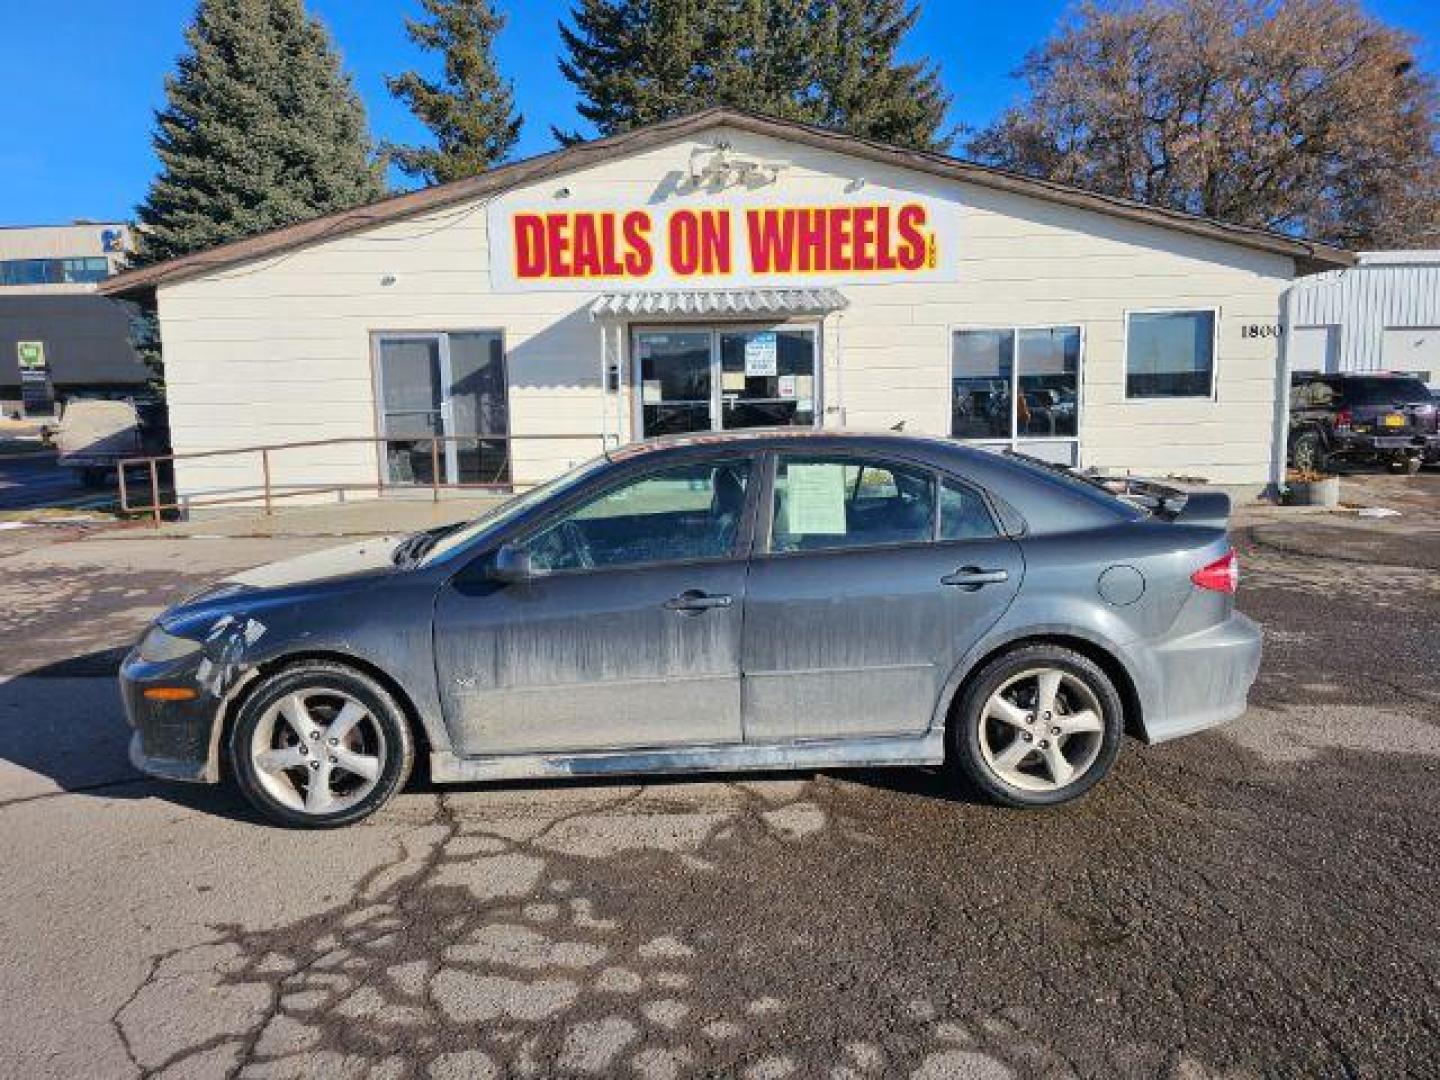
1258, 900
33, 480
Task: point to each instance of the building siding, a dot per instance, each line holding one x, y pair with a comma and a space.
280, 349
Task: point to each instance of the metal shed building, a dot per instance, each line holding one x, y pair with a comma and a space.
1382, 314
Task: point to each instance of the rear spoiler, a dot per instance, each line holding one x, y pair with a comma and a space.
1210, 508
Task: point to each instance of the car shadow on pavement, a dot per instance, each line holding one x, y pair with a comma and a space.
63, 731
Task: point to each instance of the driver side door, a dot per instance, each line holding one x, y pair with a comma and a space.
627, 636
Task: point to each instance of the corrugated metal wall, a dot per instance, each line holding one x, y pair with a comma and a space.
1363, 301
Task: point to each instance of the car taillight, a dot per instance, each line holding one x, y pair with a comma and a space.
1343, 419
1222, 575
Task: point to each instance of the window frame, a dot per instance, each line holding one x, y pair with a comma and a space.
764, 507
1014, 439
1213, 395
740, 549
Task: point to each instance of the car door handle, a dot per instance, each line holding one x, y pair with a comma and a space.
696, 601
972, 577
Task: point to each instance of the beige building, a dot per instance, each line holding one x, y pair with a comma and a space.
60, 259
721, 271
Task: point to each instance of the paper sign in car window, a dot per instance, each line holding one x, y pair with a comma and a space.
815, 500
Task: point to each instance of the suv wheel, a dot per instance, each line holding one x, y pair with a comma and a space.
318, 745
1038, 726
1307, 452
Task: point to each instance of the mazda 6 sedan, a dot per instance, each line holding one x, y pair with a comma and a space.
735, 602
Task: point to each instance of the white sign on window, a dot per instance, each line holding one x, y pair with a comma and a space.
787, 386
815, 500
761, 351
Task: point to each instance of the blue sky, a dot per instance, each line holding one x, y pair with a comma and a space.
75, 136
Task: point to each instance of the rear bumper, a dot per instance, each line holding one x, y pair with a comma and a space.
1427, 445
173, 740
1202, 679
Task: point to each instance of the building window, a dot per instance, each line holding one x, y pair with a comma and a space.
1170, 354
84, 270
1015, 383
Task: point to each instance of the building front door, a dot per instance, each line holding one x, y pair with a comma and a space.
446, 385
724, 378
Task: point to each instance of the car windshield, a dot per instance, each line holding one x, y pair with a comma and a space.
1383, 393
460, 537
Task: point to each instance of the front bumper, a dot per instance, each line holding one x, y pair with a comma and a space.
173, 740
1204, 678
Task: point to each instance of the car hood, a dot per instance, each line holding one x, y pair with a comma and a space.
366, 556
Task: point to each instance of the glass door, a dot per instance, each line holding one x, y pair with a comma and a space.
448, 385
675, 380
767, 378
476, 410
411, 407
725, 378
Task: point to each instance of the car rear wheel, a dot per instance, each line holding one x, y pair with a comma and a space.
1038, 726
319, 744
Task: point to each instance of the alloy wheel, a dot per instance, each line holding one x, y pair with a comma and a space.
318, 751
1042, 729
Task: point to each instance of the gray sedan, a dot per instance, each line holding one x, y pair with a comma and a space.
715, 603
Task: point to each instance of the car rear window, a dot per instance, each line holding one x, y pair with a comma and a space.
1383, 393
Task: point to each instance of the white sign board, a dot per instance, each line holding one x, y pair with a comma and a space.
761, 353
815, 500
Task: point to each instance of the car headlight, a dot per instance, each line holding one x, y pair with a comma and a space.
158, 647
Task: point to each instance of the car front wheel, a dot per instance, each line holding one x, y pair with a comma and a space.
318, 744
1037, 726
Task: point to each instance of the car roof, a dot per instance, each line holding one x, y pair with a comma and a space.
1048, 500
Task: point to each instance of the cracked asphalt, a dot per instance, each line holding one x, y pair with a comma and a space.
1256, 901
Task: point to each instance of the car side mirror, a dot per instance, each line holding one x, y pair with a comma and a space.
511, 565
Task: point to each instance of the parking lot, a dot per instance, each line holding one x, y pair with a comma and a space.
1259, 900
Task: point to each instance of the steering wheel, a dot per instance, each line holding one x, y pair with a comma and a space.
575, 540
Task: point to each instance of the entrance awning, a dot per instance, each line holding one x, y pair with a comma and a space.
679, 304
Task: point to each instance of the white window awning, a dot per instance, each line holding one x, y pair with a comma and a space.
675, 304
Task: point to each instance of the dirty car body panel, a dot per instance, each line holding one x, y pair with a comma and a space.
731, 634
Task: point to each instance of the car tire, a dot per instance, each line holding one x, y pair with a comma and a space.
1307, 452
349, 732
1086, 709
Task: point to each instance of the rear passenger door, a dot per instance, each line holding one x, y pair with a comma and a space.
871, 578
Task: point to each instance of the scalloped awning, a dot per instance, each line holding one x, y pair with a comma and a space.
718, 303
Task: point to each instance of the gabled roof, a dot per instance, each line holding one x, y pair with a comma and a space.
1310, 256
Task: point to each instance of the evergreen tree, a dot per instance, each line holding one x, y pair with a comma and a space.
865, 89
830, 62
472, 113
261, 129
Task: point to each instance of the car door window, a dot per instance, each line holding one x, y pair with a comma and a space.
824, 503
688, 512
964, 515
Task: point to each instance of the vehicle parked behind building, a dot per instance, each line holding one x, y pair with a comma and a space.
95, 435
1386, 418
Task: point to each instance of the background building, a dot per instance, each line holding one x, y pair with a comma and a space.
1382, 314
57, 338
60, 258
725, 270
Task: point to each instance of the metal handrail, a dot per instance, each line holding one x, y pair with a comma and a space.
267, 492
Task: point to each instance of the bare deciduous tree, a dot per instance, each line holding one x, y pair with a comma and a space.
1306, 116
